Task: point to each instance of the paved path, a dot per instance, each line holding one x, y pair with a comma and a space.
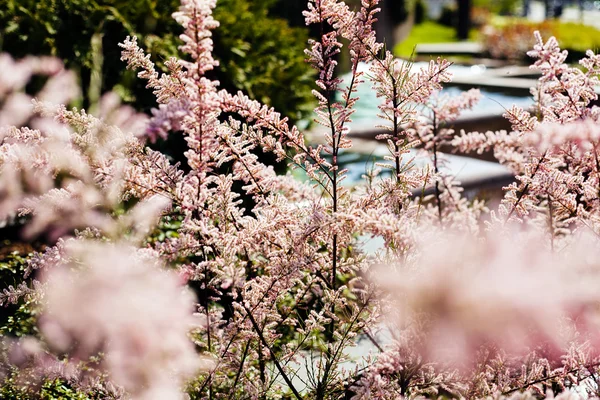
471, 48
496, 82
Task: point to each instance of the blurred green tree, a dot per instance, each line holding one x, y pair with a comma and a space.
263, 56
259, 53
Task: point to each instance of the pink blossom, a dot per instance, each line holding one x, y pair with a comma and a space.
509, 292
135, 313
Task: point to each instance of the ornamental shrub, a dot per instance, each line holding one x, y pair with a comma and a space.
511, 38
456, 301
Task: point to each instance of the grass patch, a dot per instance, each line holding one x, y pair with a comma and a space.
427, 32
577, 37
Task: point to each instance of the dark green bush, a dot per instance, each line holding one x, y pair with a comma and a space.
259, 54
449, 16
399, 11
420, 11
66, 29
263, 56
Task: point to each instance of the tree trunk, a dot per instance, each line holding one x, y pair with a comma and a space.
464, 19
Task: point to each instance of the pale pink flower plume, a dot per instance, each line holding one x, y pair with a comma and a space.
510, 292
110, 299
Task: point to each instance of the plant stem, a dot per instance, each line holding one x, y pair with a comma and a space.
436, 168
262, 339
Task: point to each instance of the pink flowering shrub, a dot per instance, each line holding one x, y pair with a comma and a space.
458, 300
148, 354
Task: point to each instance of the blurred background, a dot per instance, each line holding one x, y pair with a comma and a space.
260, 42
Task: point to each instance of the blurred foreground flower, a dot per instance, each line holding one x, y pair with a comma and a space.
117, 301
508, 292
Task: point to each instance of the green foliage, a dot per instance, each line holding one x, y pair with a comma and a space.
24, 382
263, 56
65, 28
398, 10
420, 12
166, 229
22, 322
15, 320
11, 263
14, 387
11, 388
259, 54
576, 37
504, 7
58, 389
449, 16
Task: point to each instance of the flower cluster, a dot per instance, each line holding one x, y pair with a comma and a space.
455, 300
147, 355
